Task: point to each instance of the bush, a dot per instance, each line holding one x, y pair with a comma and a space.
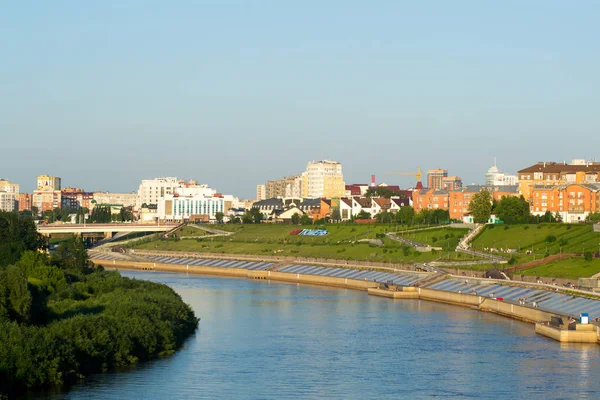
550, 238
563, 242
588, 256
526, 227
512, 261
506, 227
539, 226
434, 239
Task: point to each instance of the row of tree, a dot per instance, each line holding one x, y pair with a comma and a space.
509, 209
60, 318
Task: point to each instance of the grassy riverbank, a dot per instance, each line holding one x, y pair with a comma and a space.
343, 242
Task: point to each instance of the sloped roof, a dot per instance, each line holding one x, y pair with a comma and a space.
272, 202
554, 167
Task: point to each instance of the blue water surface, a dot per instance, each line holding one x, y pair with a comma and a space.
268, 340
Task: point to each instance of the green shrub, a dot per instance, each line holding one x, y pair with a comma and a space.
550, 239
588, 256
526, 227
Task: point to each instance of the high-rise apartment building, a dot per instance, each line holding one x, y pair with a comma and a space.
323, 179
9, 194
435, 178
290, 186
151, 190
76, 198
260, 192
495, 177
8, 187
47, 196
7, 201
451, 183
47, 181
24, 201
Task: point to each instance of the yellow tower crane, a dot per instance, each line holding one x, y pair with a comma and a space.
415, 174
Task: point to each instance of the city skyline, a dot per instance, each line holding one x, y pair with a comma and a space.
235, 94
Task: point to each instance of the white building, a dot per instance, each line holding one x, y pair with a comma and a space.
124, 199
293, 187
261, 192
323, 179
151, 190
176, 207
7, 201
494, 177
8, 187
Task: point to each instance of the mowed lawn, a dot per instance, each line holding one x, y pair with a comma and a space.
341, 242
391, 252
537, 239
447, 238
570, 268
281, 232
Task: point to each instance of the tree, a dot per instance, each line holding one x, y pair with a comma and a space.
481, 207
18, 234
558, 217
405, 215
219, 217
101, 215
593, 217
335, 215
383, 191
72, 256
296, 218
363, 215
247, 218
305, 220
256, 215
513, 210
384, 217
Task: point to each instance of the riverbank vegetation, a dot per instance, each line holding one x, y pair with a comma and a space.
61, 319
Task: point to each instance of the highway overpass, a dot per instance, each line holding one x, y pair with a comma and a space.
107, 229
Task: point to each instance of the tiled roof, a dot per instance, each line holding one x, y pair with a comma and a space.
554, 167
273, 202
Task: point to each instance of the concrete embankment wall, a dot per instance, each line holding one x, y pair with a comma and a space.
242, 273
522, 313
276, 259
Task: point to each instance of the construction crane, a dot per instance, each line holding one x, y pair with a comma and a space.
415, 174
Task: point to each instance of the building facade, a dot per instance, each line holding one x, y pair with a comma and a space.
124, 199
435, 178
76, 198
495, 177
323, 179
24, 201
46, 199
261, 192
178, 208
430, 199
151, 190
8, 187
572, 202
451, 182
557, 174
7, 201
48, 181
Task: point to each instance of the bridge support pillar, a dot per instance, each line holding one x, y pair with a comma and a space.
108, 235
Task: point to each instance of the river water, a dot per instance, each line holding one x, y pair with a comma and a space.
267, 340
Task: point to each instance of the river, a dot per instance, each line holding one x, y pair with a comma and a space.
267, 340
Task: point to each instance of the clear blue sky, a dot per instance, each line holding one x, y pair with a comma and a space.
233, 93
